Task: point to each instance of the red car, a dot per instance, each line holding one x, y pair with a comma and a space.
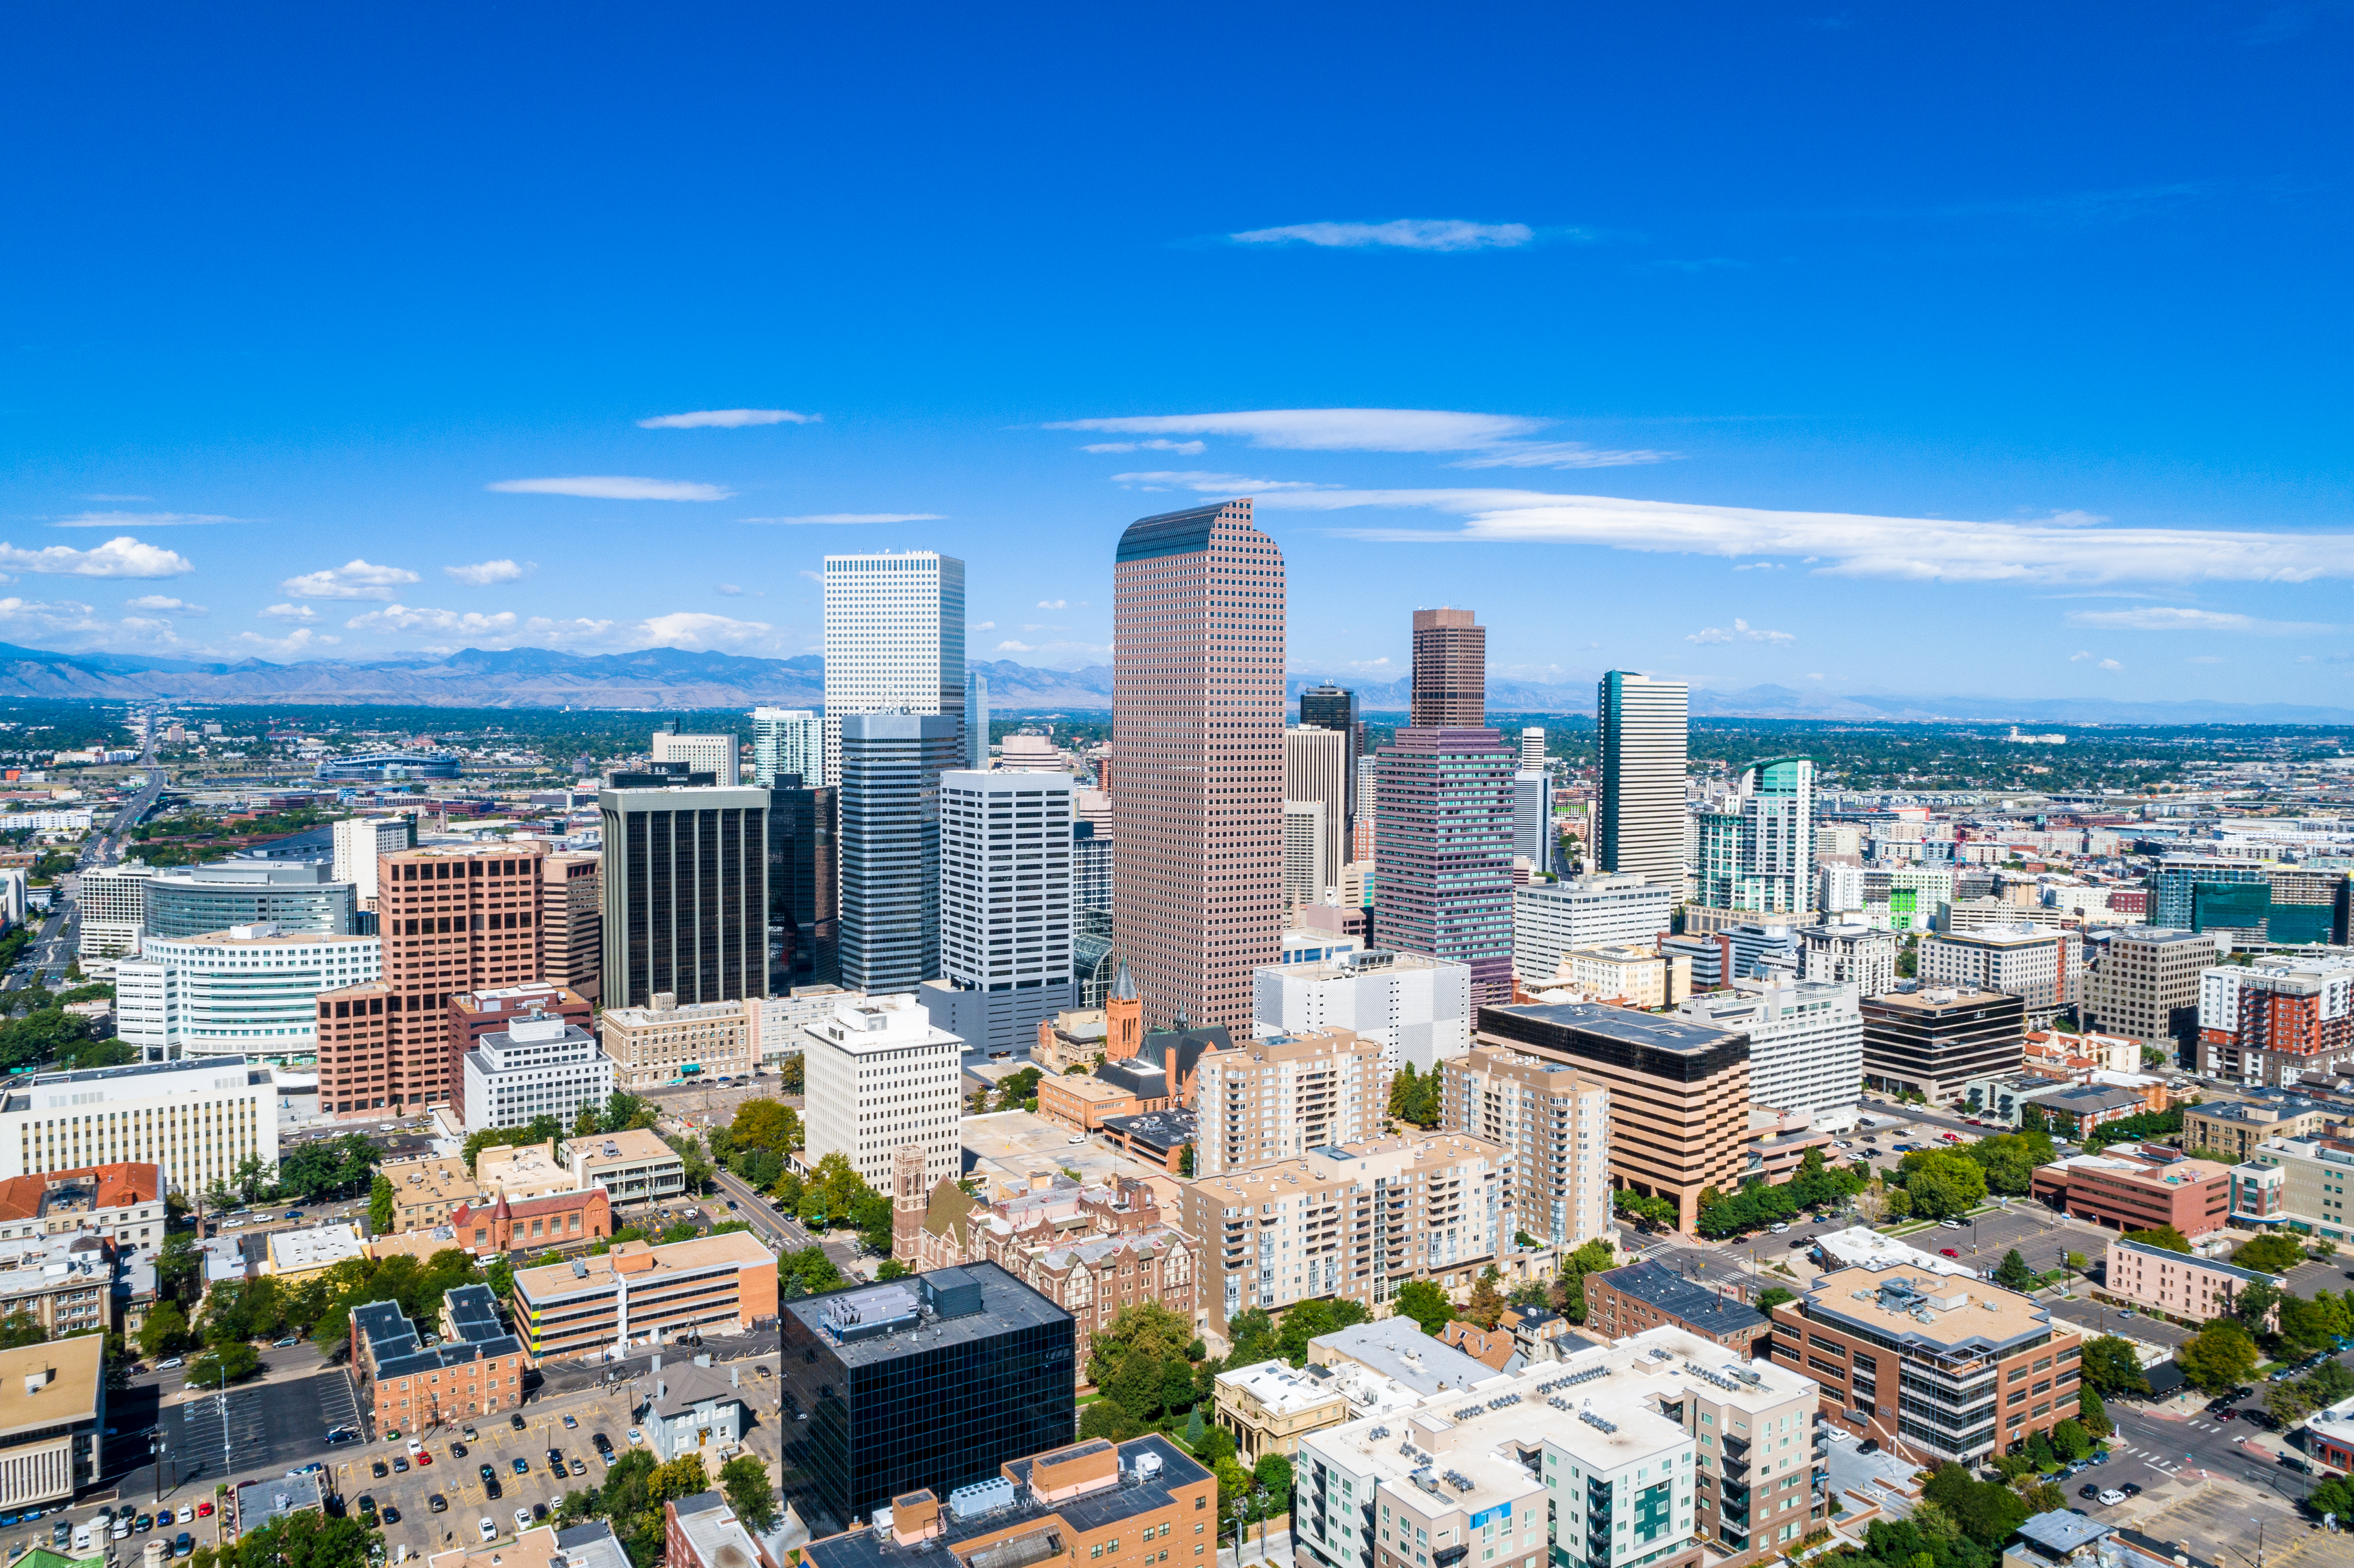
424, 1455
204, 1508
1948, 1252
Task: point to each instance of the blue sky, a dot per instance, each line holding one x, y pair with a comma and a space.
1864, 346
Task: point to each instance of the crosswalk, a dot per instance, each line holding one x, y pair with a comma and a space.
2163, 1463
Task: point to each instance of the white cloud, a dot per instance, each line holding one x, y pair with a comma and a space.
1051, 604
817, 577
49, 615
2079, 656
164, 602
1761, 566
698, 632
729, 590
984, 626
1402, 234
2110, 664
297, 641
353, 579
1739, 631
726, 419
138, 519
2174, 618
445, 623
299, 612
856, 517
1182, 448
1213, 483
1913, 549
484, 574
122, 558
1010, 646
1494, 441
614, 487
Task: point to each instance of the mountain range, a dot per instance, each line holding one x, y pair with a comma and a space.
670, 678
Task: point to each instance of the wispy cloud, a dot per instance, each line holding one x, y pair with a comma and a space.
1915, 550
1739, 631
1210, 483
139, 519
294, 612
984, 626
162, 603
698, 632
2174, 618
1010, 646
726, 419
486, 574
728, 590
446, 622
614, 487
1490, 440
2109, 664
856, 517
353, 579
1054, 604
1397, 234
122, 558
301, 640
1182, 448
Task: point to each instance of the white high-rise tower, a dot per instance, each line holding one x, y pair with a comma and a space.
788, 740
893, 639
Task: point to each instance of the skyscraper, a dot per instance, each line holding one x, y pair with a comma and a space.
1758, 855
1198, 625
1450, 669
686, 893
976, 722
804, 907
1006, 888
1335, 707
712, 753
1533, 749
787, 741
1316, 768
889, 847
1640, 736
1306, 871
894, 639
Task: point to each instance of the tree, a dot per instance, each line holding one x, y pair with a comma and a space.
2254, 1306
380, 1208
1773, 1296
1943, 1184
2093, 1412
2220, 1357
2332, 1499
1426, 1303
2269, 1255
20, 1329
2288, 1402
1310, 1319
806, 1271
696, 1163
892, 1268
765, 1124
2070, 1441
1643, 1208
1107, 1418
1987, 1512
303, 1539
1185, 1160
1416, 1098
2013, 1271
1273, 1474
1487, 1303
230, 1361
744, 1480
1193, 1430
2110, 1366
2165, 1237
165, 1330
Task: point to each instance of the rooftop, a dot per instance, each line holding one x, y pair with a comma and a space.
869, 1325
647, 1265
532, 1548
686, 1386
1673, 1294
54, 1384
626, 1147
86, 1189
1860, 1246
2249, 1275
717, 1539
322, 1246
506, 1167
259, 1502
427, 1180
1920, 1307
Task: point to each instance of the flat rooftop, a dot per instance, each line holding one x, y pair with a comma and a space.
1396, 1348
594, 1276
629, 1147
1673, 1294
1920, 1306
67, 1393
1000, 1305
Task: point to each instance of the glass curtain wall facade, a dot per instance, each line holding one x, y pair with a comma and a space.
804, 910
889, 840
686, 893
1641, 742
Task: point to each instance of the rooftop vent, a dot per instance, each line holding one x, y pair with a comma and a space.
1608, 1427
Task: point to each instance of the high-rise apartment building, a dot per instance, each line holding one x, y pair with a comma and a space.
1554, 1124
976, 722
1416, 1008
1005, 895
1316, 766
789, 742
359, 842
1640, 736
2181, 882
1806, 1040
711, 753
1552, 918
1335, 707
247, 992
112, 901
2275, 1021
882, 1078
1364, 824
2145, 986
889, 844
1198, 625
894, 642
1306, 868
572, 921
1856, 955
1450, 669
2043, 967
1931, 1042
1757, 856
1279, 1097
686, 893
451, 920
805, 901
1443, 854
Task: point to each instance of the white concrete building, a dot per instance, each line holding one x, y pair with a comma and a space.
540, 1066
197, 1121
251, 991
1854, 954
1838, 890
359, 840
879, 1078
788, 740
1549, 918
15, 881
1306, 871
113, 903
1806, 1042
1532, 819
1416, 1008
2044, 967
1005, 890
713, 754
893, 639
1533, 749
1316, 769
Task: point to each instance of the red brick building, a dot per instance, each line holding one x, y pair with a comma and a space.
2129, 1193
406, 1387
555, 1222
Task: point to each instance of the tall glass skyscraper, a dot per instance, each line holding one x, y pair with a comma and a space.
889, 841
1641, 735
787, 741
1759, 855
1335, 707
686, 893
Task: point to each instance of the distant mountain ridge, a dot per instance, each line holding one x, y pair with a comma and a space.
671, 678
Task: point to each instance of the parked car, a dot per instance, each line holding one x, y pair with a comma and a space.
289, 1340
391, 1515
522, 1518
205, 1505
490, 1531
399, 1465
367, 1506
457, 1450
437, 1503
579, 1468
522, 1466
379, 1470
1777, 1227
517, 1421
183, 1544
570, 1421
1948, 1252
170, 1364
2131, 1488
1952, 1225
1867, 1445
2110, 1496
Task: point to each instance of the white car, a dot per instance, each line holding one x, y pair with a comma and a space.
1952, 1224
522, 1518
2111, 1496
636, 1437
415, 1448
490, 1531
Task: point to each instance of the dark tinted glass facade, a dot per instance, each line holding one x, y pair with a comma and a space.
889, 812
687, 895
802, 912
941, 1402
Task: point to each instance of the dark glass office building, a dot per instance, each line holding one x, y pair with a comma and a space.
686, 893
803, 913
887, 811
1335, 707
931, 1381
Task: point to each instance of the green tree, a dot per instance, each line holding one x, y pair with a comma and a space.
300, 1540
164, 1331
236, 1359
380, 1208
2109, 1366
1944, 1185
744, 1480
1416, 1098
1185, 1160
2165, 1237
20, 1329
1311, 1319
2269, 1255
1107, 1418
1273, 1474
765, 1124
1773, 1296
806, 1272
2093, 1412
2219, 1357
892, 1268
696, 1163
1426, 1303
2070, 1441
2332, 1499
2013, 1271
1487, 1303
1987, 1512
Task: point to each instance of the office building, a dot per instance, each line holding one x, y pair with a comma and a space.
1679, 1091
1533, 749
1639, 808
1855, 955
1091, 869
631, 1166
452, 920
1335, 708
976, 722
2185, 887
642, 1294
1412, 1008
1630, 976
198, 1121
894, 644
2044, 969
572, 922
990, 1380
789, 743
686, 893
1554, 1124
2231, 1130
1443, 852
53, 1417
1806, 1042
291, 895
881, 1079
2127, 1193
1940, 1369
1281, 1096
1306, 871
1757, 856
1318, 768
360, 843
2178, 1285
535, 1067
426, 1191
1198, 625
889, 838
1643, 1296
1532, 820
804, 905
1450, 669
1549, 918
250, 991
1932, 1041
1006, 908
474, 1014
663, 1042
112, 900
1357, 1221
2146, 986
715, 754
2274, 1021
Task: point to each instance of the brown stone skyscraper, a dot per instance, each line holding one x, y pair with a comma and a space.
1197, 713
1450, 669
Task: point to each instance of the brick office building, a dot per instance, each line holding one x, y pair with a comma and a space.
1623, 1301
555, 1222
408, 1387
2125, 1191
